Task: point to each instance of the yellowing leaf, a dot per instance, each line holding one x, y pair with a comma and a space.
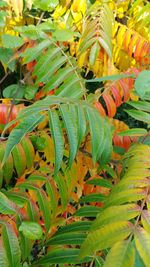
105, 237
142, 241
122, 254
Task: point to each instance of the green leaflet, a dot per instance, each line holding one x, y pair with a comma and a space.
57, 136
67, 238
71, 131
33, 32
60, 77
51, 68
105, 237
133, 132
25, 246
64, 34
139, 115
5, 56
32, 53
72, 88
30, 92
46, 5
14, 91
49, 190
74, 227
53, 202
61, 256
81, 123
6, 206
3, 255
45, 208
115, 214
75, 115
99, 262
31, 230
100, 182
45, 60
62, 190
20, 199
17, 198
141, 105
29, 151
96, 129
57, 63
88, 211
27, 125
10, 41
126, 195
142, 242
93, 53
42, 201
105, 151
7, 169
11, 244
138, 260
142, 83
93, 198
122, 254
19, 159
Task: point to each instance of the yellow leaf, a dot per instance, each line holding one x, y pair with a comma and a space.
79, 6
82, 60
29, 3
59, 11
120, 35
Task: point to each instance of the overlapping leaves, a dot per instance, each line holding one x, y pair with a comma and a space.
119, 221
55, 68
77, 118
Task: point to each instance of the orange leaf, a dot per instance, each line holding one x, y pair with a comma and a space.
100, 108
138, 49
127, 39
125, 88
110, 104
117, 96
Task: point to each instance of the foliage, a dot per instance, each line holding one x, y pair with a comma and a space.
74, 179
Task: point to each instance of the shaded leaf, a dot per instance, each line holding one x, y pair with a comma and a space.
67, 238
62, 256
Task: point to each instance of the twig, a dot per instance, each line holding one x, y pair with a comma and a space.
40, 19
5, 76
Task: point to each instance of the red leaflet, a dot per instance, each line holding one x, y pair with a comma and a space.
100, 108
125, 88
5, 116
138, 49
117, 96
110, 104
